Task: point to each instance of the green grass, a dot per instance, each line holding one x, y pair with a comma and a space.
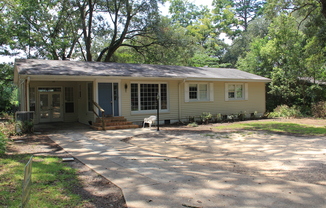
277, 127
52, 180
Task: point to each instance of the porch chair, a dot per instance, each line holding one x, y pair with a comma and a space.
150, 120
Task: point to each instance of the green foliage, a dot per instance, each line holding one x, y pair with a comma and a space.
194, 124
53, 182
233, 17
8, 92
318, 110
285, 112
242, 116
291, 60
8, 128
186, 13
278, 127
25, 126
205, 117
3, 142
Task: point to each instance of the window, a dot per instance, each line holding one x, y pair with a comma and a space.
144, 96
90, 96
69, 100
199, 92
236, 91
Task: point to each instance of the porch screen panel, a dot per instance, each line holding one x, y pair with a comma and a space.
90, 97
69, 99
32, 99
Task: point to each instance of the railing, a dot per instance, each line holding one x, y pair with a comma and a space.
102, 113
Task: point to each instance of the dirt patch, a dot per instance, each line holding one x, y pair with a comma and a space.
288, 156
94, 188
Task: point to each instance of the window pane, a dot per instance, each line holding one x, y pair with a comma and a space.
192, 91
231, 91
203, 95
203, 92
203, 87
148, 96
239, 91
134, 97
164, 97
49, 89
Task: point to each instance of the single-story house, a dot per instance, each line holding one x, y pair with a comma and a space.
64, 91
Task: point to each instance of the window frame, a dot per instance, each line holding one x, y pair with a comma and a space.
209, 92
244, 87
139, 100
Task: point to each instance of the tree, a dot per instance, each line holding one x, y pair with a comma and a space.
43, 28
284, 57
232, 17
186, 13
57, 29
129, 19
257, 28
306, 7
8, 92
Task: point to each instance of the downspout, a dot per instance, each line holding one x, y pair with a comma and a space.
27, 93
179, 103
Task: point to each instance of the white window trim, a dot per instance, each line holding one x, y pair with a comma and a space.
210, 92
245, 91
151, 111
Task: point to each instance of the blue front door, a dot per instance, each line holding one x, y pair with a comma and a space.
108, 98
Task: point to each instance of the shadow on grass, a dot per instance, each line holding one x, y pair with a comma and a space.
52, 182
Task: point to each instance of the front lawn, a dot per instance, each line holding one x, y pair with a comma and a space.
53, 182
277, 127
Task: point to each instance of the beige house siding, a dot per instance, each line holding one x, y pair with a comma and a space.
255, 102
138, 117
178, 108
182, 111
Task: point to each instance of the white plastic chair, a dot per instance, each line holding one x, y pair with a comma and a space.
150, 120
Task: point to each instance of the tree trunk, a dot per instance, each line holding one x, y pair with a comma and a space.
323, 10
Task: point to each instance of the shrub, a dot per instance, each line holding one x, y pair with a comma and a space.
194, 124
318, 110
205, 117
285, 112
217, 118
3, 143
242, 115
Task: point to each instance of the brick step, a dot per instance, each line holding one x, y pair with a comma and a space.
133, 126
113, 123
111, 119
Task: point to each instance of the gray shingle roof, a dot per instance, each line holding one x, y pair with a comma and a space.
80, 68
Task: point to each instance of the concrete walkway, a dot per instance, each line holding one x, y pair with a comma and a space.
151, 179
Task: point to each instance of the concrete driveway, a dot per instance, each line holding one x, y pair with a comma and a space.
201, 169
